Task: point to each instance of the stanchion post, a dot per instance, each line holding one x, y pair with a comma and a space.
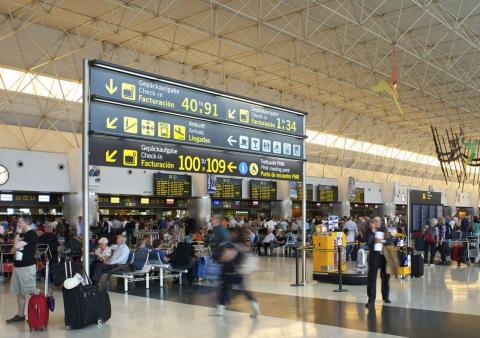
340, 282
297, 283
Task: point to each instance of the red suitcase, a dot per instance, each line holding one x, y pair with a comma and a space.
38, 311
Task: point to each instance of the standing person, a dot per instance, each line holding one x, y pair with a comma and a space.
442, 241
80, 227
130, 231
430, 237
376, 261
476, 226
232, 256
24, 280
352, 233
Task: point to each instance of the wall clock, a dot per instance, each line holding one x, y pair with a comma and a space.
4, 175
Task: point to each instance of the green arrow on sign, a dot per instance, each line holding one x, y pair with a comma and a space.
110, 156
111, 122
110, 88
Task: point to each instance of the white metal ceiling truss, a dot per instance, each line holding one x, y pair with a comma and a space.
320, 56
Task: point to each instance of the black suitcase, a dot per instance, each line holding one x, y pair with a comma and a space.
85, 305
417, 266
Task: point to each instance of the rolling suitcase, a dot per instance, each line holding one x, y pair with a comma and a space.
85, 305
362, 259
417, 266
38, 310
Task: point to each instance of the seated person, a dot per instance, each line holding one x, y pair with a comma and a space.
119, 256
198, 236
49, 238
159, 253
103, 252
146, 242
268, 241
183, 258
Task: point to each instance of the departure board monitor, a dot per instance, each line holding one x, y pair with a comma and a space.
169, 185
327, 193
263, 190
228, 188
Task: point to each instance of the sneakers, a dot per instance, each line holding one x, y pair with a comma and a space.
387, 301
219, 311
16, 319
255, 310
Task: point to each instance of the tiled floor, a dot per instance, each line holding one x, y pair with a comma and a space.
312, 311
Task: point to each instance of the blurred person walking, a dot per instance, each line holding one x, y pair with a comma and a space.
236, 261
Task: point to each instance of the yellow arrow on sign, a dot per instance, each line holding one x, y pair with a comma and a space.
110, 156
110, 88
231, 167
111, 122
231, 113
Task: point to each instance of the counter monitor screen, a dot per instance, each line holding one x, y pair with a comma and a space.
263, 190
228, 188
144, 200
44, 198
6, 197
167, 185
170, 201
115, 200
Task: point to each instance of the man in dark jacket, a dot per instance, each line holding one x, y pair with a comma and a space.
376, 261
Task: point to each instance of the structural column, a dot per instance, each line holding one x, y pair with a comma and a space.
344, 189
387, 208
199, 205
73, 201
450, 208
282, 208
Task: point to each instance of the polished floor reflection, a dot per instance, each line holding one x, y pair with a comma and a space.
442, 304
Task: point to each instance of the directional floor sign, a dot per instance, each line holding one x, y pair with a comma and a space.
115, 119
115, 152
148, 90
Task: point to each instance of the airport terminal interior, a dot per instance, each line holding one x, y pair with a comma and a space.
239, 168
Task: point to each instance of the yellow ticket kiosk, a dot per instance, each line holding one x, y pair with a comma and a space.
325, 254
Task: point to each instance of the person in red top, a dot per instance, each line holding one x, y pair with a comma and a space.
23, 281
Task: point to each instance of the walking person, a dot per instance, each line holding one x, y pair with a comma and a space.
24, 281
376, 261
233, 255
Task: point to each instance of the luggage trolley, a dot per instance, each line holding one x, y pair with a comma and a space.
6, 261
472, 248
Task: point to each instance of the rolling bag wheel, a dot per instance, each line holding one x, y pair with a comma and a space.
100, 322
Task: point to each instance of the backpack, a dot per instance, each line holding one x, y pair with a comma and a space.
429, 235
448, 231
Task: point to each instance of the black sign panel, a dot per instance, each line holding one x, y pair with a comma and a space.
12, 200
263, 190
228, 188
139, 202
359, 196
113, 152
170, 185
152, 91
327, 193
425, 197
138, 123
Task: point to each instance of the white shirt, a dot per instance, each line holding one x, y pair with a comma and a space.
120, 254
270, 225
352, 228
269, 238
